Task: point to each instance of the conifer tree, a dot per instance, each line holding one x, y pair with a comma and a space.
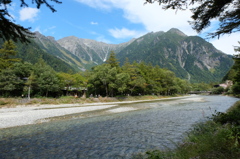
112, 60
10, 30
6, 54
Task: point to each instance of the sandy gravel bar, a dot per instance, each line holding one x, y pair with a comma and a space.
10, 117
24, 115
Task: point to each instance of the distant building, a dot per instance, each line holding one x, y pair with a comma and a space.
228, 83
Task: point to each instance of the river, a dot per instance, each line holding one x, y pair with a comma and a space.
119, 135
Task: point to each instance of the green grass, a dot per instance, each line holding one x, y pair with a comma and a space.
218, 138
13, 102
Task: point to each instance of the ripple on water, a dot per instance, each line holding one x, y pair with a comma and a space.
110, 136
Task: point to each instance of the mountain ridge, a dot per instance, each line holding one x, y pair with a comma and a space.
184, 55
189, 57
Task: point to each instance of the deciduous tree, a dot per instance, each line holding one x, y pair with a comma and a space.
104, 75
122, 79
46, 78
9, 82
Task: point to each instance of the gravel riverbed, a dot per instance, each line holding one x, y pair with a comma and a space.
33, 114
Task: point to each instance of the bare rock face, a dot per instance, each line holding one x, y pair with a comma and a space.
189, 57
90, 50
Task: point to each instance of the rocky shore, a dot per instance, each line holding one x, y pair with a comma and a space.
33, 114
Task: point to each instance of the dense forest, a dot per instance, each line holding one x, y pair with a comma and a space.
19, 78
109, 79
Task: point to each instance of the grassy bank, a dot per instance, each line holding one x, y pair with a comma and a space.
218, 138
13, 102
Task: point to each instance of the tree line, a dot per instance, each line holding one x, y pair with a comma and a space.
19, 78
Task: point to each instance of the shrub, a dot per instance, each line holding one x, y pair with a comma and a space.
218, 90
3, 102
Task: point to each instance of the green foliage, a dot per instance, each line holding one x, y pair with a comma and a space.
135, 79
231, 117
3, 102
218, 90
32, 53
122, 79
68, 81
8, 29
7, 53
234, 74
112, 61
50, 46
22, 69
235, 89
104, 75
40, 78
200, 87
180, 54
108, 79
9, 82
46, 78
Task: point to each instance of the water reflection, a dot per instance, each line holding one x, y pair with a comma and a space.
120, 135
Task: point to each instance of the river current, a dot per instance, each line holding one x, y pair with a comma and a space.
111, 136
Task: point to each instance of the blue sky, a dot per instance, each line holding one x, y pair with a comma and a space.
110, 21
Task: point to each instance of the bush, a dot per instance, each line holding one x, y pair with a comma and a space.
3, 103
231, 117
235, 89
218, 90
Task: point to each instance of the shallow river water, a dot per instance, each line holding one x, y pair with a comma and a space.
111, 136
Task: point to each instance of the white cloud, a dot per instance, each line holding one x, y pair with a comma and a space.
94, 23
124, 33
29, 14
154, 18
226, 43
49, 28
98, 4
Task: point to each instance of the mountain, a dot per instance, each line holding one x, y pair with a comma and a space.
90, 52
50, 45
32, 52
189, 57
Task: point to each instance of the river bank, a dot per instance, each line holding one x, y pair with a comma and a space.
155, 125
217, 138
16, 102
26, 114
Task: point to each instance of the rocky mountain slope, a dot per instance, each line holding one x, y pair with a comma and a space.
90, 51
51, 46
189, 57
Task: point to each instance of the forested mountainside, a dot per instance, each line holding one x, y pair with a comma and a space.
33, 53
189, 57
